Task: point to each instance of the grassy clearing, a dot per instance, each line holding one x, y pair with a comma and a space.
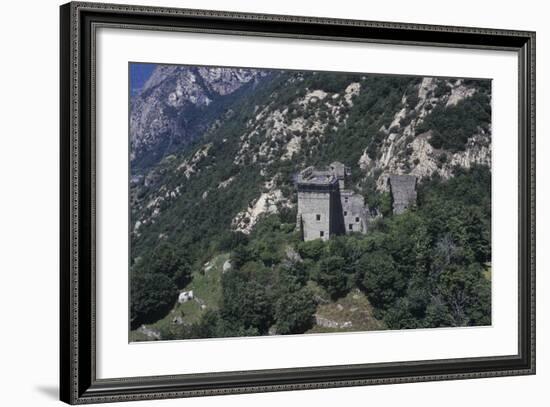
206, 287
137, 336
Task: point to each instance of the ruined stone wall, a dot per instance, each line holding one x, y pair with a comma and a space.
354, 212
403, 192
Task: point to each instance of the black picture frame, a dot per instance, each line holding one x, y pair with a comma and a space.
78, 382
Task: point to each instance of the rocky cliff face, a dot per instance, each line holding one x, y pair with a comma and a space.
406, 150
176, 105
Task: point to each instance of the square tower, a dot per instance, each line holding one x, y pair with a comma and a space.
318, 202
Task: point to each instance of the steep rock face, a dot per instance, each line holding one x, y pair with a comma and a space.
176, 105
267, 203
280, 134
406, 150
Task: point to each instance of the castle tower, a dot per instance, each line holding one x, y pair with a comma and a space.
319, 205
325, 208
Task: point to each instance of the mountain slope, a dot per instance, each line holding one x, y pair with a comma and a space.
376, 125
215, 191
176, 104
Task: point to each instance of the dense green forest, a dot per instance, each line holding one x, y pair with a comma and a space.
428, 267
424, 268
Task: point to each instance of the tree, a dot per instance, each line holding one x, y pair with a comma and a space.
247, 299
152, 295
166, 260
240, 256
210, 325
437, 314
312, 249
267, 252
207, 327
382, 282
408, 243
385, 204
400, 317
467, 295
294, 312
296, 271
287, 215
229, 240
332, 276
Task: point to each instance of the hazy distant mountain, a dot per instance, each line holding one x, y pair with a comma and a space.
176, 103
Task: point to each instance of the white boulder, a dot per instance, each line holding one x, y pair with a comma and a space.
185, 296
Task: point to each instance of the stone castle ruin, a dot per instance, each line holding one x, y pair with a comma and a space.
325, 207
403, 192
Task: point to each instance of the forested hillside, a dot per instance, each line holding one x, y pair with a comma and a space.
216, 214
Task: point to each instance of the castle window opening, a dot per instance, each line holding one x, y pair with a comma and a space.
346, 212
350, 226
321, 233
318, 217
357, 219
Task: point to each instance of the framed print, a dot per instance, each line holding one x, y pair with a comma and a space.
256, 203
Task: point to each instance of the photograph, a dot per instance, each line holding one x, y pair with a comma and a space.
278, 202
273, 200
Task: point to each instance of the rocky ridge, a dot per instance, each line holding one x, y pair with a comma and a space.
405, 151
168, 111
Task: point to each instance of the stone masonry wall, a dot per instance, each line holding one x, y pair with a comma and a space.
312, 205
354, 212
403, 192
